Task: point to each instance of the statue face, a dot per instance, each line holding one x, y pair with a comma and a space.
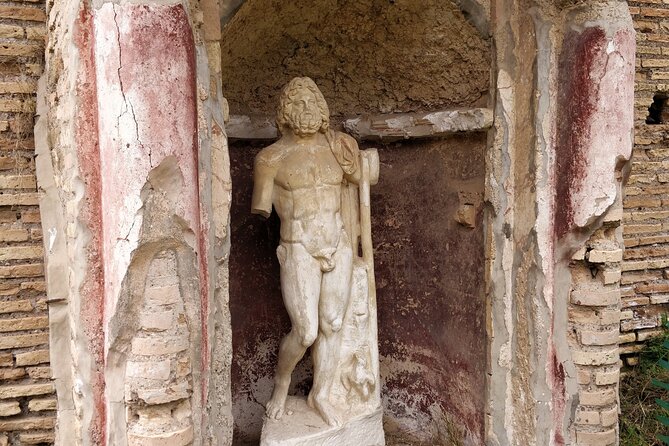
303, 113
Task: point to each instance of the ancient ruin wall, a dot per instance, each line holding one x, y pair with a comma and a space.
132, 163
27, 399
645, 277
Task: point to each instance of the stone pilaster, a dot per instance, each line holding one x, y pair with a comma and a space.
137, 192
563, 134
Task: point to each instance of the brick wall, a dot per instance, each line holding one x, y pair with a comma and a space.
594, 316
27, 399
645, 277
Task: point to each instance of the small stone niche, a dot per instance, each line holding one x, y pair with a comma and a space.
372, 57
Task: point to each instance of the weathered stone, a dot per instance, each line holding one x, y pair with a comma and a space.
605, 256
181, 437
151, 346
595, 357
609, 417
602, 397
164, 395
639, 323
164, 295
595, 297
589, 337
9, 408
611, 276
607, 378
13, 306
15, 391
22, 13
588, 417
644, 335
157, 321
21, 253
39, 405
20, 341
158, 370
13, 235
39, 372
27, 423
583, 377
627, 337
28, 323
32, 357
605, 438
6, 359
36, 438
28, 270
11, 374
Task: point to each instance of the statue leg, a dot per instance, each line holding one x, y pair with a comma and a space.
300, 286
335, 293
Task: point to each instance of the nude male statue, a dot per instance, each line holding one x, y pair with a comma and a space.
302, 175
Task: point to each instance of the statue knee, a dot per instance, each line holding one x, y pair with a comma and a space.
330, 326
308, 337
336, 324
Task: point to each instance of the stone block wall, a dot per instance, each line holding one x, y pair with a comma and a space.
645, 276
27, 399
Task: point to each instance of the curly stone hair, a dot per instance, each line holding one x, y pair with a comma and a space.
288, 93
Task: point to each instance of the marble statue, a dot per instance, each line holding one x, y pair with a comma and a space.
318, 181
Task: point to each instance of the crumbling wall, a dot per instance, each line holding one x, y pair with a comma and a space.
27, 400
366, 56
563, 133
132, 161
645, 279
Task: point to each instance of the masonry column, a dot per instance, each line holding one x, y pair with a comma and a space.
563, 135
132, 162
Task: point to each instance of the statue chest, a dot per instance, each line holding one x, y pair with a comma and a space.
308, 169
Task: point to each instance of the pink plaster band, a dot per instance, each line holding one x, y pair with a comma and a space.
146, 99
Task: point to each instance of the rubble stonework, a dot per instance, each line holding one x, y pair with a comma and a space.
27, 396
645, 277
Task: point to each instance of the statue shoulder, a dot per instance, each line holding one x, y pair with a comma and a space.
270, 156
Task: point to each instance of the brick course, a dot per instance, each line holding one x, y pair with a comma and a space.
27, 398
644, 280
594, 334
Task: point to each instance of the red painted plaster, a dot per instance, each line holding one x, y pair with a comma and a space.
147, 112
91, 292
594, 122
577, 102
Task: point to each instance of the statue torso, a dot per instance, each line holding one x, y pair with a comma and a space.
307, 194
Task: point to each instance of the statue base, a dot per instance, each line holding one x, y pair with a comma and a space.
302, 426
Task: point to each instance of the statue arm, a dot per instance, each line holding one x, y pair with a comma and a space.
263, 188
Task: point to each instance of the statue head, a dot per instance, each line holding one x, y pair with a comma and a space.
302, 108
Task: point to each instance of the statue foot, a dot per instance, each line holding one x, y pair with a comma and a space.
275, 407
325, 409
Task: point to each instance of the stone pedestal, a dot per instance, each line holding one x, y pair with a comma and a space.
302, 426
